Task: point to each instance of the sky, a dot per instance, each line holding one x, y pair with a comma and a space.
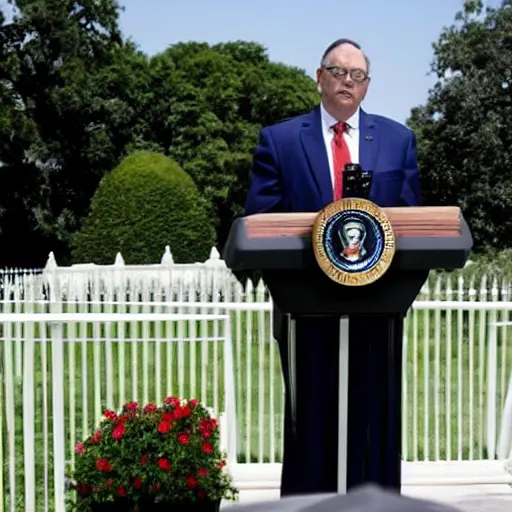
397, 35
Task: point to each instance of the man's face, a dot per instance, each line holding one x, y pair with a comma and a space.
343, 93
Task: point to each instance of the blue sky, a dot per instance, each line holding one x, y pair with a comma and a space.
396, 34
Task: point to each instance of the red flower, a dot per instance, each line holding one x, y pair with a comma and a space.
96, 437
125, 417
131, 406
202, 472
150, 408
82, 489
221, 464
110, 415
137, 483
193, 402
109, 483
168, 416
143, 459
183, 438
206, 426
121, 491
118, 432
207, 447
164, 465
212, 422
191, 481
182, 412
103, 465
164, 427
79, 448
172, 400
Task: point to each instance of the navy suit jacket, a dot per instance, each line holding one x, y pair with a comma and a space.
291, 168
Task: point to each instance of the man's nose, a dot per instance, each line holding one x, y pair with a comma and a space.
348, 80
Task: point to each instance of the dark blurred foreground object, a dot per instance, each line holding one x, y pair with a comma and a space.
367, 498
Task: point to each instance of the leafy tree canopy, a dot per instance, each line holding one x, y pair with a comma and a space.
77, 98
464, 138
69, 108
210, 102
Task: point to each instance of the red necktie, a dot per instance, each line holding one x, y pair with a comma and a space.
340, 157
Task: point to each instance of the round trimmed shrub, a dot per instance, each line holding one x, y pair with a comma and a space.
144, 204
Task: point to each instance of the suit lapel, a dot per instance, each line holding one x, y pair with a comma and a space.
313, 144
368, 142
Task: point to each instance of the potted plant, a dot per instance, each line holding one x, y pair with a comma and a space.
152, 458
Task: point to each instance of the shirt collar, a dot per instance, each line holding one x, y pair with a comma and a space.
328, 120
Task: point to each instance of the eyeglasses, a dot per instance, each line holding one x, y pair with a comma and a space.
358, 75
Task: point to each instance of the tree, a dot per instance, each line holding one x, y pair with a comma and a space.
77, 98
210, 103
144, 204
464, 140
71, 88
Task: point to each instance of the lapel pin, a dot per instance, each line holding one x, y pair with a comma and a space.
369, 137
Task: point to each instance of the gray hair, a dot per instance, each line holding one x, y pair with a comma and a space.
339, 42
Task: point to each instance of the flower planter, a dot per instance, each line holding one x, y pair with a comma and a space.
141, 455
128, 506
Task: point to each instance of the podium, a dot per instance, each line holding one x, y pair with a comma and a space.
280, 247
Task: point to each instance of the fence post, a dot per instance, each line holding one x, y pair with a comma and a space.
229, 394
492, 363
505, 439
28, 424
59, 458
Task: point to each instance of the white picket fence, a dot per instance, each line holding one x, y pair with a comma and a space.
48, 396
456, 374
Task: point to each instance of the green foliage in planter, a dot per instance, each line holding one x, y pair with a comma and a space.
144, 204
150, 454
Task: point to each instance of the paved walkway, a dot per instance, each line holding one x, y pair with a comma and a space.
467, 498
470, 486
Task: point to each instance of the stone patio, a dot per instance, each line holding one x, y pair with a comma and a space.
476, 486
468, 498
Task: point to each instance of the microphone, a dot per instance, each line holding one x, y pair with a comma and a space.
356, 181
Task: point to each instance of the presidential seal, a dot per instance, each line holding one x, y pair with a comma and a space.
353, 241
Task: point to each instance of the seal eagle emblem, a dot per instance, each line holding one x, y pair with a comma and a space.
353, 241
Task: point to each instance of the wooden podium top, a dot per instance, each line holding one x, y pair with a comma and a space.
406, 221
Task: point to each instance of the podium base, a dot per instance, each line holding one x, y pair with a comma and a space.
374, 426
343, 398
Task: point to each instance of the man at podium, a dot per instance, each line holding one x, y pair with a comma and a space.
298, 167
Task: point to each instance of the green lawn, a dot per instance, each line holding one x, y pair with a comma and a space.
445, 402
256, 363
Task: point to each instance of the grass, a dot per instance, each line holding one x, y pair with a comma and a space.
115, 371
446, 389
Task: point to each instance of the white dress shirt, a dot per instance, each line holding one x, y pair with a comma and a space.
351, 137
